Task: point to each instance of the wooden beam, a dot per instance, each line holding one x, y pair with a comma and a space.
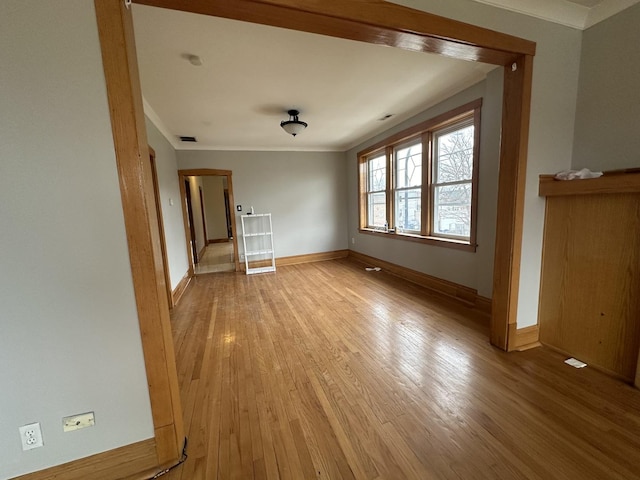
516, 105
115, 27
374, 21
392, 25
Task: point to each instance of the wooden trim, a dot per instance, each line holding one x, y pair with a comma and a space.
388, 24
374, 22
514, 144
115, 29
435, 241
483, 304
442, 120
422, 132
218, 240
465, 295
163, 242
521, 339
618, 183
204, 220
125, 463
377, 22
299, 259
204, 172
311, 257
181, 287
202, 250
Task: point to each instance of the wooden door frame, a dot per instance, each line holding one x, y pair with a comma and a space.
374, 22
204, 220
210, 172
163, 240
187, 215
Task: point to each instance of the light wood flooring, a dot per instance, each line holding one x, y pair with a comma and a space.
326, 371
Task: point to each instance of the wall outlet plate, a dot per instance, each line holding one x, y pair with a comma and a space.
76, 422
31, 436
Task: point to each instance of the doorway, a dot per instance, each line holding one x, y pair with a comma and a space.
209, 223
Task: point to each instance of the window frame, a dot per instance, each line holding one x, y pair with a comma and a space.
424, 132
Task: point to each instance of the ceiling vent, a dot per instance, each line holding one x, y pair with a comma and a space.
188, 139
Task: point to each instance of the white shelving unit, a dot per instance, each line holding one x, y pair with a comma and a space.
257, 239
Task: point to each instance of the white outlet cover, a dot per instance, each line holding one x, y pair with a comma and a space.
76, 422
31, 436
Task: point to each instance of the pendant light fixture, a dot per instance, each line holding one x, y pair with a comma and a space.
293, 126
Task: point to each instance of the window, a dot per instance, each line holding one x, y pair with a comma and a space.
377, 190
421, 184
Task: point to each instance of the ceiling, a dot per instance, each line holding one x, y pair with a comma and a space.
252, 74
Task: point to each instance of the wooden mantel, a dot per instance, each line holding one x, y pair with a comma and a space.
611, 182
590, 288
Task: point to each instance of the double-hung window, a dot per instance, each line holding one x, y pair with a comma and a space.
421, 184
377, 190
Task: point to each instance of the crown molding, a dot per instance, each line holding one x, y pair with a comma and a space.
564, 12
607, 9
157, 121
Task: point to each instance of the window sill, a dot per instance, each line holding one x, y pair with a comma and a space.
437, 241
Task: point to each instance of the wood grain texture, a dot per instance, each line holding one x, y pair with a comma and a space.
375, 22
159, 216
615, 183
117, 43
590, 290
325, 371
121, 463
511, 185
298, 259
521, 339
180, 288
466, 295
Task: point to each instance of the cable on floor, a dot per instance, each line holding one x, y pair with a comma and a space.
183, 458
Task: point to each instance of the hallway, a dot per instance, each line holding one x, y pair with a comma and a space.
217, 257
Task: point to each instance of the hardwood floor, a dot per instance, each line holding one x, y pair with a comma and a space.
326, 371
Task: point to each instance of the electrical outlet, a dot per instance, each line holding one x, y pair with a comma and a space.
353, 240
31, 436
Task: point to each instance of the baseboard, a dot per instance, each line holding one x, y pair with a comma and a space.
177, 292
218, 240
201, 252
131, 462
466, 295
312, 257
521, 339
299, 259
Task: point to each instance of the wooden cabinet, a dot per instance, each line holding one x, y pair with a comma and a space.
590, 289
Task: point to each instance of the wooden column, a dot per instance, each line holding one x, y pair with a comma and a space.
119, 60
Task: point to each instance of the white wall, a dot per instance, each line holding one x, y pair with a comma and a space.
473, 269
170, 200
216, 213
608, 115
305, 192
553, 108
69, 335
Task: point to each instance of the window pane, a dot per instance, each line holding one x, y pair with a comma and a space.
452, 210
408, 212
377, 215
408, 160
377, 168
454, 156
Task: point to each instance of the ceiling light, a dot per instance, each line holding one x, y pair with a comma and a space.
293, 126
